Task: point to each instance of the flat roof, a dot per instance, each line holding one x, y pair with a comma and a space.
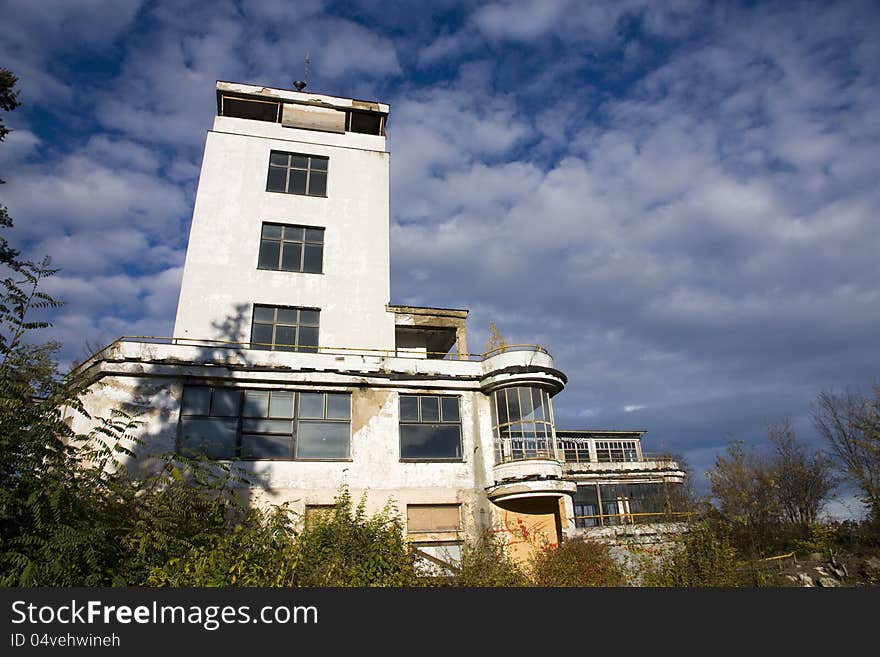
425, 310
300, 97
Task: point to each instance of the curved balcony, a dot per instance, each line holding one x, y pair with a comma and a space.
525, 365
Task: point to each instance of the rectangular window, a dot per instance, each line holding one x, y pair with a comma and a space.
430, 428
296, 173
616, 451
291, 248
228, 423
433, 518
284, 328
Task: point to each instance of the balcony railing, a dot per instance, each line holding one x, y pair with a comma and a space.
618, 519
403, 352
521, 449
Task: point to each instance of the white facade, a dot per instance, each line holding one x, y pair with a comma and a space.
459, 443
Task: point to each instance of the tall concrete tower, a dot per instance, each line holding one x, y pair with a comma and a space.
289, 245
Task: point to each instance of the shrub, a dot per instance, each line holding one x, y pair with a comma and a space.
485, 562
576, 563
349, 548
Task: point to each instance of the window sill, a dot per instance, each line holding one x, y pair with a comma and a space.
289, 271
274, 191
426, 460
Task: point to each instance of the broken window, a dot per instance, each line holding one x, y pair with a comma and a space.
250, 108
365, 123
229, 423
296, 173
430, 428
285, 328
291, 248
523, 424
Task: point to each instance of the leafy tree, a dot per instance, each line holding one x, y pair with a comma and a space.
496, 341
850, 423
744, 488
803, 478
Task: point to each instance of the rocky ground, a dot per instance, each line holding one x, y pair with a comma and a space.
824, 570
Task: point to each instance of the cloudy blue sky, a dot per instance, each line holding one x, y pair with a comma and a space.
679, 199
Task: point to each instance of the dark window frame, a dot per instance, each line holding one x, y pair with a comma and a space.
243, 416
285, 243
313, 173
274, 344
421, 422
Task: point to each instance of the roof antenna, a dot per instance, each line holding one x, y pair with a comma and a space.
299, 85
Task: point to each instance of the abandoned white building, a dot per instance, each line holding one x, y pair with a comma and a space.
288, 359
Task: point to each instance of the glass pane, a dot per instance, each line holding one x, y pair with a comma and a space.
261, 336
269, 254
538, 398
338, 406
278, 158
525, 404
409, 408
256, 403
315, 235
264, 314
449, 409
287, 316
225, 402
319, 163
318, 183
309, 317
308, 339
272, 231
322, 440
512, 405
314, 259
281, 404
266, 447
291, 259
501, 404
285, 338
299, 161
293, 233
277, 180
297, 182
430, 408
267, 426
311, 405
196, 401
430, 441
209, 437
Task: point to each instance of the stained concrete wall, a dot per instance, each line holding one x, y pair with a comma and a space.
374, 468
221, 281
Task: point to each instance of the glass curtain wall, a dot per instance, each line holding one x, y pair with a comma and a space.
522, 419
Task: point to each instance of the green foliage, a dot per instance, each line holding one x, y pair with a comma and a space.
485, 562
744, 487
578, 562
259, 550
347, 547
822, 539
703, 557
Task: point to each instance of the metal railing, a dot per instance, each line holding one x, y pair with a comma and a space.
524, 449
618, 519
402, 352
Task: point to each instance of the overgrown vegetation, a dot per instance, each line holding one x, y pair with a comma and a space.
72, 514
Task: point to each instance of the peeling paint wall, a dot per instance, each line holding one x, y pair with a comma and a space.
221, 281
374, 469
